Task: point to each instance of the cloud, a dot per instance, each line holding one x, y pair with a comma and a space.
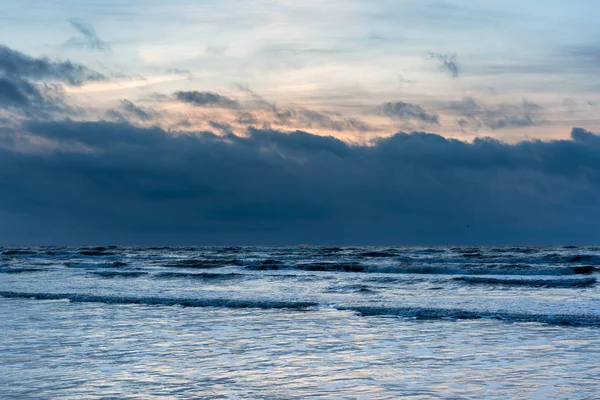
407, 111
259, 111
23, 98
17, 64
118, 183
448, 62
128, 110
88, 38
300, 117
16, 92
306, 118
206, 99
474, 114
33, 87
246, 118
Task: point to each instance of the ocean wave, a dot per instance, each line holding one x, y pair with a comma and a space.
274, 265
162, 301
378, 254
493, 270
18, 252
522, 250
116, 264
20, 270
501, 257
201, 263
201, 276
458, 314
365, 289
546, 283
118, 274
427, 269
419, 313
585, 258
427, 251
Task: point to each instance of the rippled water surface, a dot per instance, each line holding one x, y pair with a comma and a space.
284, 323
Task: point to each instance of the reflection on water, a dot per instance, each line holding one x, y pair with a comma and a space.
64, 350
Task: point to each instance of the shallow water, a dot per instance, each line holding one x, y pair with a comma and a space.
271, 323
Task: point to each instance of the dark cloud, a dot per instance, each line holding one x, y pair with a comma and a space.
88, 38
306, 118
222, 127
22, 97
32, 87
448, 62
17, 64
143, 185
474, 114
139, 112
246, 118
295, 116
407, 111
16, 92
128, 111
206, 99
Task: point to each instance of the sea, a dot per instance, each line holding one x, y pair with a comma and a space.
299, 322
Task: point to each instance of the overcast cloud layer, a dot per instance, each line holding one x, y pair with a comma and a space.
113, 182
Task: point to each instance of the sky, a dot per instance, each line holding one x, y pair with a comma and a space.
285, 122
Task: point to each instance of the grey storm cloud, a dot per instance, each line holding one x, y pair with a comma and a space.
205, 99
301, 116
475, 114
295, 116
127, 110
17, 92
22, 97
407, 111
313, 119
33, 86
447, 62
145, 185
88, 38
16, 64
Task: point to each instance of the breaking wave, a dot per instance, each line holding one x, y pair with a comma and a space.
472, 269
458, 314
20, 270
418, 313
546, 283
201, 276
509, 269
161, 301
201, 263
118, 274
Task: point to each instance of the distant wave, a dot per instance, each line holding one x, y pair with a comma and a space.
458, 314
358, 288
201, 276
20, 270
118, 274
160, 301
548, 283
471, 269
116, 264
201, 263
378, 254
403, 312
18, 252
509, 269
